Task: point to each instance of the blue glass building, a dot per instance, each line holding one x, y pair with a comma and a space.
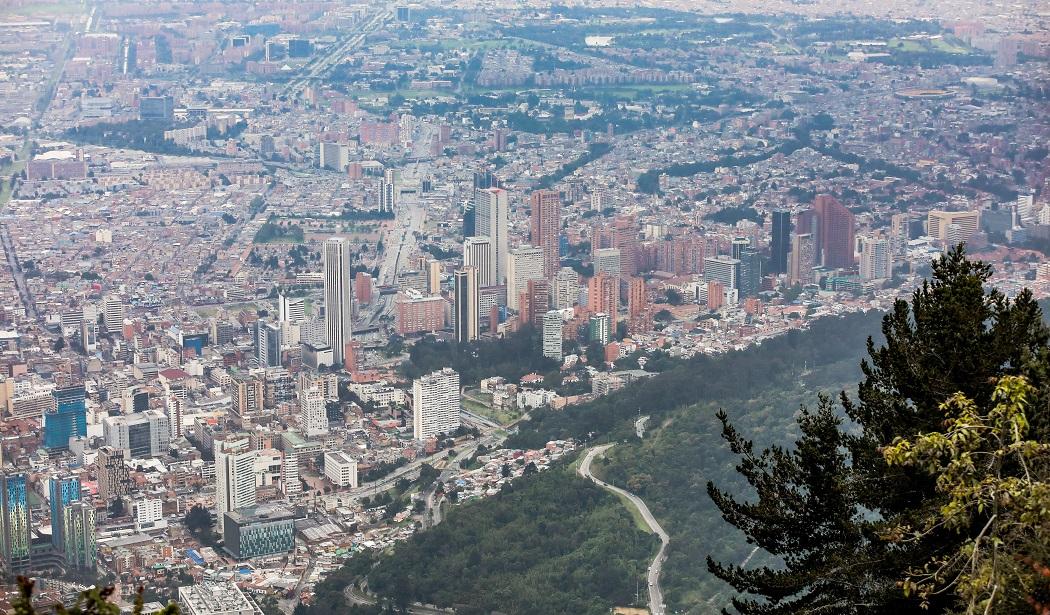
67, 419
14, 517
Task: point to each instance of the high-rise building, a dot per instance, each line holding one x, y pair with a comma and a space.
952, 227
803, 258
599, 198
363, 288
433, 276
780, 241
389, 191
79, 544
416, 313
875, 260
435, 404
525, 263
313, 414
625, 239
111, 469
739, 245
234, 476
68, 418
490, 214
836, 226
63, 490
900, 235
545, 227
534, 302
607, 260
268, 343
250, 400
750, 282
477, 252
722, 269
552, 335
338, 311
291, 309
467, 305
566, 289
113, 314
599, 328
143, 434
603, 296
14, 515
333, 156
637, 297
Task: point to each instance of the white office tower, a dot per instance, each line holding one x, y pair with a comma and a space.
313, 418
607, 260
477, 252
565, 292
113, 313
291, 309
1026, 209
334, 156
234, 476
552, 325
388, 190
875, 261
176, 408
338, 312
435, 404
525, 263
291, 485
490, 220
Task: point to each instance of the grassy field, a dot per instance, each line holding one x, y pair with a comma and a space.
482, 408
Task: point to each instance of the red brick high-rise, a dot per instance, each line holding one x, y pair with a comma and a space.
603, 295
834, 227
363, 288
534, 302
545, 228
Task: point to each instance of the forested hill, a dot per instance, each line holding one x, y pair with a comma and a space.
830, 350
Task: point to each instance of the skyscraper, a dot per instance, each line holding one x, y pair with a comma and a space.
566, 289
545, 227
389, 191
67, 419
803, 258
78, 535
142, 434
750, 272
552, 337
338, 312
900, 235
477, 252
780, 242
467, 305
111, 468
63, 490
113, 313
491, 221
435, 404
607, 260
291, 309
268, 343
524, 263
599, 328
14, 515
836, 228
722, 269
603, 296
875, 260
234, 476
313, 415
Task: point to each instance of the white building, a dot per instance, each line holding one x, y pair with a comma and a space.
291, 309
341, 469
435, 404
149, 514
565, 292
338, 311
477, 252
607, 260
234, 476
875, 261
313, 415
525, 263
143, 434
490, 220
113, 313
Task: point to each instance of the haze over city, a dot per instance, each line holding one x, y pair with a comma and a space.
511, 307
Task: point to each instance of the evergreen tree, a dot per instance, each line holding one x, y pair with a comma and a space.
956, 336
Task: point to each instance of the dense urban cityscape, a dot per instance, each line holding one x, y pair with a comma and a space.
282, 278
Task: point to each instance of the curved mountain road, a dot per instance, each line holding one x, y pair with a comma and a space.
656, 598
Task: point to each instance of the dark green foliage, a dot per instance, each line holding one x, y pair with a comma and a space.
510, 357
552, 543
287, 233
954, 336
594, 152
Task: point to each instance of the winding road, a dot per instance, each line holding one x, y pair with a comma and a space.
656, 598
